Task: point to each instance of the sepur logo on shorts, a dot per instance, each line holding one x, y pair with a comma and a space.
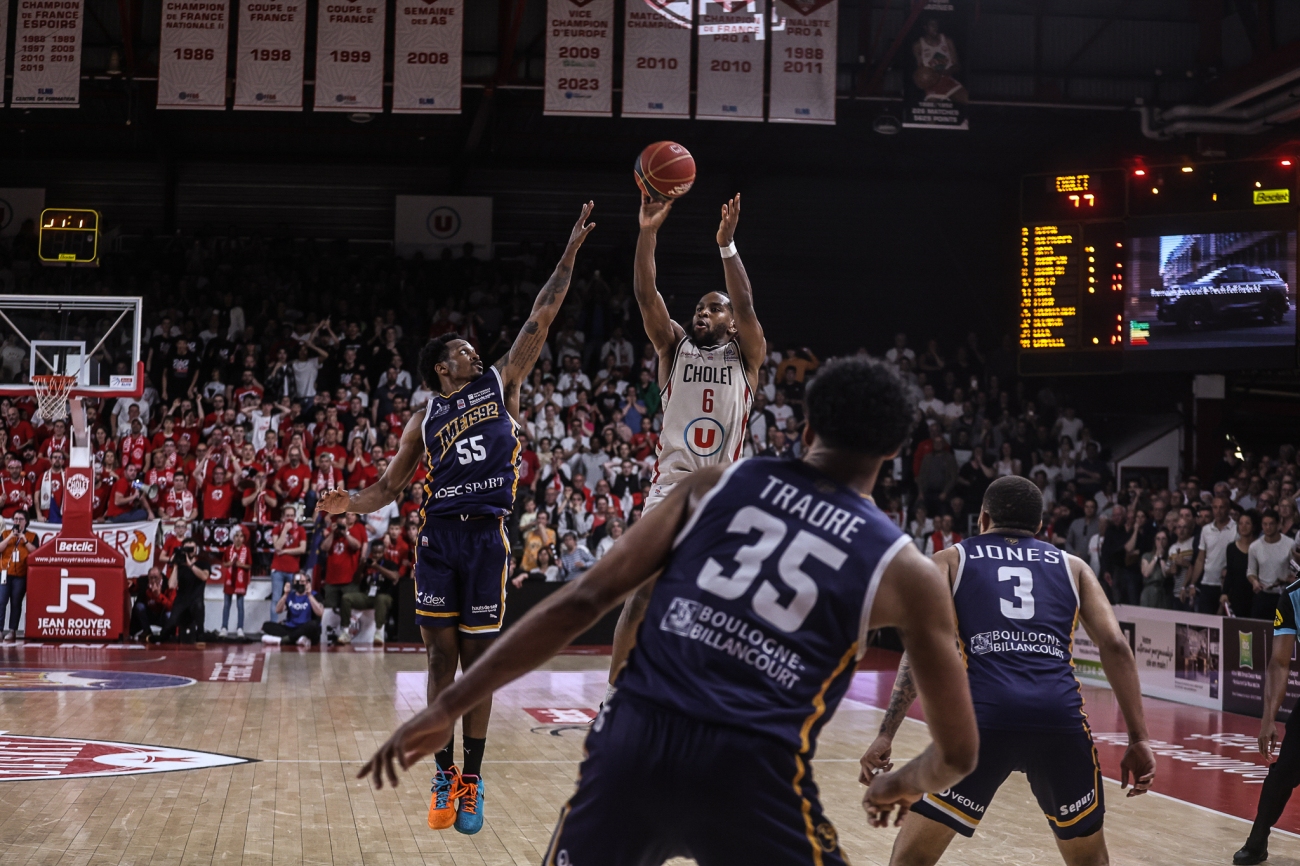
681, 614
26, 759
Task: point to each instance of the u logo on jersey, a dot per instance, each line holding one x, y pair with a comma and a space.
704, 436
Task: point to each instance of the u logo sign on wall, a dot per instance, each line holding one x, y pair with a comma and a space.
443, 223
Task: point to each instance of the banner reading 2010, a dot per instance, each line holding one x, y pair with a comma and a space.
803, 62
729, 82
657, 58
579, 57
268, 74
192, 54
47, 54
427, 40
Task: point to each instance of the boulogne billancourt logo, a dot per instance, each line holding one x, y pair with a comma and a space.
26, 759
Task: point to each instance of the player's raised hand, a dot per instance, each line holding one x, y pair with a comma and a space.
877, 759
730, 216
582, 228
653, 213
424, 734
334, 501
887, 792
1138, 764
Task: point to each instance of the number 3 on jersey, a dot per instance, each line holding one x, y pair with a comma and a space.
470, 450
1023, 590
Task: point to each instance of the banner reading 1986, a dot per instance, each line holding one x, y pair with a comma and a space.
729, 82
47, 54
192, 54
579, 57
657, 58
802, 88
268, 73
350, 55
427, 56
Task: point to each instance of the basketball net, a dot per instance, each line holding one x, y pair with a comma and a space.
52, 395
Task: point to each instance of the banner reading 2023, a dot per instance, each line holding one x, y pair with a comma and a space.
268, 74
729, 83
192, 54
47, 54
579, 57
803, 62
427, 56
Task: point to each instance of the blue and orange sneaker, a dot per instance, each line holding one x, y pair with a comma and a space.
469, 817
447, 787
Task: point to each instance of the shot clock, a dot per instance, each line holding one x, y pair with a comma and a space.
69, 236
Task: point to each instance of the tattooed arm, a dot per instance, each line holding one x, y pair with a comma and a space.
877, 758
516, 364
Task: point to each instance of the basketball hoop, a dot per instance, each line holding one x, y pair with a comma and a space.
52, 395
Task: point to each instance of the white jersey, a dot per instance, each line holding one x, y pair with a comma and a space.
706, 406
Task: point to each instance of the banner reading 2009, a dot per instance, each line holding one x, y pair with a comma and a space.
192, 54
803, 62
427, 56
268, 74
730, 78
657, 58
579, 57
350, 55
47, 54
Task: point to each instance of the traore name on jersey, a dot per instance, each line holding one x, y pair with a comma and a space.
762, 611
473, 447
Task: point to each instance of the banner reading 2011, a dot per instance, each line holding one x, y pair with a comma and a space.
192, 54
802, 88
268, 73
579, 57
427, 39
350, 55
657, 58
729, 82
47, 54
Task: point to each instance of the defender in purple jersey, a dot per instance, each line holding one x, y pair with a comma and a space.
1018, 601
773, 573
469, 436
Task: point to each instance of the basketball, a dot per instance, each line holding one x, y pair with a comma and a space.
665, 170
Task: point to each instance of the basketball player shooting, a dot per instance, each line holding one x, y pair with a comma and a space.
704, 376
772, 573
470, 434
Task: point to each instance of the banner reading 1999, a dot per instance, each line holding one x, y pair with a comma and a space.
350, 55
579, 57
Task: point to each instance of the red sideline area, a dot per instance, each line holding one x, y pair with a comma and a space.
1203, 757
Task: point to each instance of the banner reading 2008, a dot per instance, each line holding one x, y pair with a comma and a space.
427, 56
803, 62
268, 74
47, 54
192, 54
579, 57
657, 58
350, 55
729, 83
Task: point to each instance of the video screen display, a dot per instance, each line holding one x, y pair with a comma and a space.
1227, 290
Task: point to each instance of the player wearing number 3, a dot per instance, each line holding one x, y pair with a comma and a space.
705, 375
469, 432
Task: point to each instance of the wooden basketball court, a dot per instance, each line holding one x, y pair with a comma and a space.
307, 719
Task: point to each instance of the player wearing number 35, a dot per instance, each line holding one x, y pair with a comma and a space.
470, 434
773, 571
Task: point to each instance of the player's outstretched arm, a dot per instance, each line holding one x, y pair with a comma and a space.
390, 485
914, 597
545, 630
516, 364
1117, 661
659, 327
748, 330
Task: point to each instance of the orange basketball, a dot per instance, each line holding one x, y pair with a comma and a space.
665, 170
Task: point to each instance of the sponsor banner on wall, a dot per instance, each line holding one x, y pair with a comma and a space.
135, 541
350, 55
579, 57
268, 71
1247, 647
427, 40
802, 88
729, 81
47, 54
934, 91
19, 205
192, 54
1178, 654
430, 223
657, 58
27, 759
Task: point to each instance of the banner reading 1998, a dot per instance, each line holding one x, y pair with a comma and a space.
802, 88
427, 56
47, 54
729, 82
657, 58
268, 74
579, 57
192, 54
350, 55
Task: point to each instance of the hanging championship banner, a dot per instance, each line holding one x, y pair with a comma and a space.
427, 56
350, 55
579, 57
729, 83
192, 54
4, 38
802, 88
47, 54
268, 73
934, 96
657, 58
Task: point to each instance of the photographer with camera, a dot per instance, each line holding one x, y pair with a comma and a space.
375, 589
152, 603
187, 578
289, 541
342, 543
127, 502
301, 612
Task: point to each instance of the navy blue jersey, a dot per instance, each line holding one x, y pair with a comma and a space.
1017, 607
473, 451
762, 611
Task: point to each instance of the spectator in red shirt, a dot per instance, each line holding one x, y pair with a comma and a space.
293, 478
127, 502
343, 544
248, 384
218, 496
360, 468
330, 445
57, 441
168, 433
238, 566
258, 499
327, 477
289, 541
105, 477
15, 489
178, 502
152, 605
20, 431
49, 501
135, 446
